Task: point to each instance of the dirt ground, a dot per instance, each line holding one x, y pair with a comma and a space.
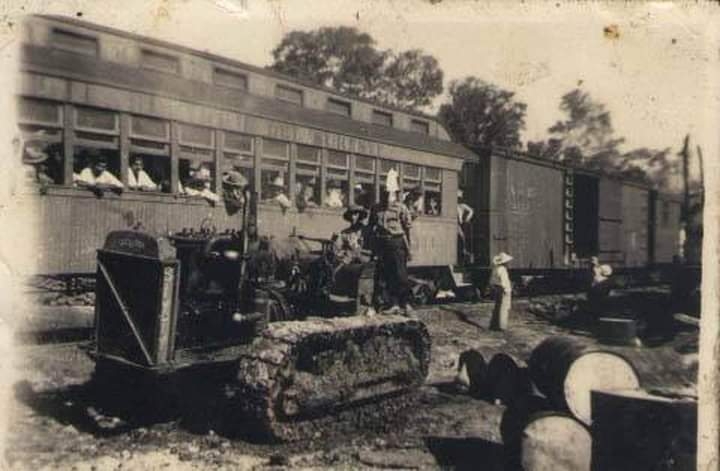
55, 426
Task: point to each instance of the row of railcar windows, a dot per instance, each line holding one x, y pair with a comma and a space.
223, 76
319, 182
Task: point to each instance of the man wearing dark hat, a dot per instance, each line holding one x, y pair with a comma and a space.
390, 223
350, 243
234, 184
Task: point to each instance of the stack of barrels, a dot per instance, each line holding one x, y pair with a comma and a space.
563, 407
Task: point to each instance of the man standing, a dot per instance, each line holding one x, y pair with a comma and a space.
465, 214
502, 291
390, 223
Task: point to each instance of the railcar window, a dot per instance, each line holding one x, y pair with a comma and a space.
337, 186
412, 186
74, 42
230, 79
150, 149
422, 127
153, 128
274, 170
238, 143
289, 94
432, 191
382, 118
159, 61
96, 161
196, 136
40, 123
96, 120
238, 155
148, 173
197, 174
43, 112
307, 178
340, 107
364, 191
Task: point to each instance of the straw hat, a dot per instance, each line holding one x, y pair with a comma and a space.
606, 270
501, 258
353, 209
234, 178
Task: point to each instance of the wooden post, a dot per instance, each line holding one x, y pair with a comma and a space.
218, 159
323, 175
685, 155
174, 157
257, 166
292, 172
68, 144
709, 367
124, 147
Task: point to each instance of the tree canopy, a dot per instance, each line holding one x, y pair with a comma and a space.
587, 138
347, 60
481, 114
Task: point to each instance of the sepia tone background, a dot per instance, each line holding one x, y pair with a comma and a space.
655, 71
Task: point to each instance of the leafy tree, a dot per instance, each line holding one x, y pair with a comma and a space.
347, 60
342, 58
586, 137
481, 114
411, 79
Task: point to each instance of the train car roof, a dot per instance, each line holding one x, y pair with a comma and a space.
301, 115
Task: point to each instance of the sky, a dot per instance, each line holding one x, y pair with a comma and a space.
657, 77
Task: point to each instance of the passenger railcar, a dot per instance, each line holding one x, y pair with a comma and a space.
87, 87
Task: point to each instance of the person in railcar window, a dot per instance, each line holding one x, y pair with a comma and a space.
305, 193
96, 177
433, 208
274, 191
138, 179
414, 202
335, 196
364, 195
234, 187
35, 160
199, 183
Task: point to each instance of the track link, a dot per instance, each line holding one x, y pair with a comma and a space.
310, 378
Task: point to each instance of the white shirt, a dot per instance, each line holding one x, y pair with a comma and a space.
500, 277
105, 178
143, 180
465, 213
334, 199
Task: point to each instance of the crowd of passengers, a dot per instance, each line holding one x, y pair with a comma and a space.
43, 165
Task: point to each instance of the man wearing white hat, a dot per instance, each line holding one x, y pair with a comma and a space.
502, 291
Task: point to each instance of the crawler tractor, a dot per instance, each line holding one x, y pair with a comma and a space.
276, 324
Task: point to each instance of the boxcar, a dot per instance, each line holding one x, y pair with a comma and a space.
551, 216
84, 86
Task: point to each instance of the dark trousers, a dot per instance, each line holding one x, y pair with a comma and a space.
392, 269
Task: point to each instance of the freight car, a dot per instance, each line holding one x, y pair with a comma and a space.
85, 87
552, 218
